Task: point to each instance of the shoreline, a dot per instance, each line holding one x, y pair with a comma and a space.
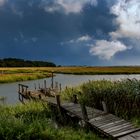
9, 75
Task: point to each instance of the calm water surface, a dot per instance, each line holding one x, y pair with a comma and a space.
10, 90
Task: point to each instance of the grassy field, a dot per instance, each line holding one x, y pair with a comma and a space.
76, 70
95, 70
22, 74
8, 75
7, 78
34, 121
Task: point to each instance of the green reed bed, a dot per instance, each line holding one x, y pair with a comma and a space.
121, 97
34, 121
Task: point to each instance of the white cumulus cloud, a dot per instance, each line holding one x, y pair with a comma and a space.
81, 39
107, 49
84, 38
68, 6
128, 19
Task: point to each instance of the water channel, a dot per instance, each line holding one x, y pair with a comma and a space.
10, 90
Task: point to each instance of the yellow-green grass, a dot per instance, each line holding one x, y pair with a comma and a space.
96, 70
26, 73
77, 70
34, 121
15, 77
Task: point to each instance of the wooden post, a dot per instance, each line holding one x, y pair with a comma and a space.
38, 85
104, 107
58, 102
84, 112
18, 88
22, 89
60, 87
26, 91
39, 96
19, 96
56, 86
35, 85
45, 87
75, 100
29, 93
22, 98
52, 80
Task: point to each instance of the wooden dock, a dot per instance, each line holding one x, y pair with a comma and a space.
102, 121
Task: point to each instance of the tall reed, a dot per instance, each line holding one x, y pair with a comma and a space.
121, 97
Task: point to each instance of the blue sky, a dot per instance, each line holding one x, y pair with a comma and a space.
71, 32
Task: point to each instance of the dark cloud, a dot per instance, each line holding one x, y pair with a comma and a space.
28, 31
98, 21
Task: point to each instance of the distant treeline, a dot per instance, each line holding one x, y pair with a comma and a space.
14, 62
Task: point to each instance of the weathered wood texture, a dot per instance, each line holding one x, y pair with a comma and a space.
108, 124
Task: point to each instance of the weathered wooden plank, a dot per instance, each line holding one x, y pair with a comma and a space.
95, 110
120, 127
124, 132
70, 105
78, 114
77, 109
101, 119
136, 134
132, 136
127, 138
74, 109
112, 124
90, 116
105, 122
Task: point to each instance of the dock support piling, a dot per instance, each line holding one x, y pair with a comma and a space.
38, 85
52, 80
35, 85
58, 101
104, 107
45, 87
84, 112
75, 100
60, 88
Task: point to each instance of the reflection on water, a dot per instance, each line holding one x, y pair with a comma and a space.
10, 90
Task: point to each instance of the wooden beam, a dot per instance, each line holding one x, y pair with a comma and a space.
60, 87
75, 100
58, 101
35, 85
52, 80
104, 107
45, 84
84, 112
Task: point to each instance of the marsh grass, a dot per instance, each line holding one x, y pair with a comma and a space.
94, 70
76, 70
15, 77
121, 97
34, 121
31, 73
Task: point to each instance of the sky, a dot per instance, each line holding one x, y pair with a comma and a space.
71, 32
